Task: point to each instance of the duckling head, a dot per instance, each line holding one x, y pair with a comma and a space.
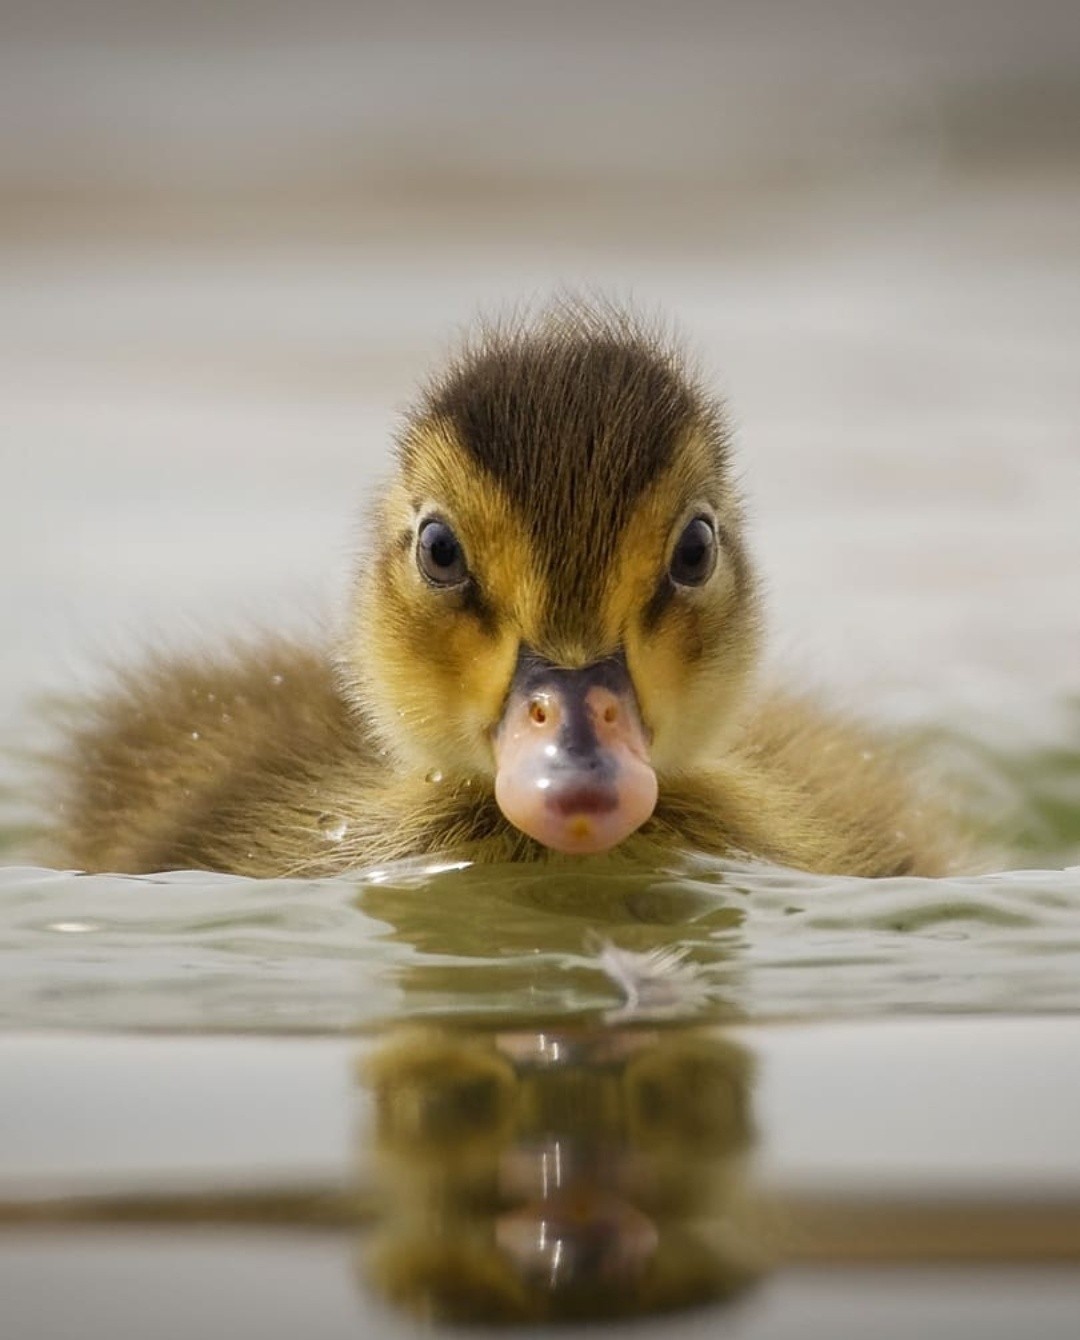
558, 598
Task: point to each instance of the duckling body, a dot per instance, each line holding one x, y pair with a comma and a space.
260, 766
552, 648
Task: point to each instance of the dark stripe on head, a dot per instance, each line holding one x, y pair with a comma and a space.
661, 598
573, 418
472, 599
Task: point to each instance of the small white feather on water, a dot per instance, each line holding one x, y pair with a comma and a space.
655, 983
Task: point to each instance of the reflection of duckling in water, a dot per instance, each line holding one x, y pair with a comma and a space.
552, 646
589, 1173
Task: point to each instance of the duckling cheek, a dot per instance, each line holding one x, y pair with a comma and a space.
572, 767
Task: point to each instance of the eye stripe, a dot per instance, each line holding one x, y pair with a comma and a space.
658, 602
473, 600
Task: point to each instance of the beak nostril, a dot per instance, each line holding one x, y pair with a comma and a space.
611, 714
538, 711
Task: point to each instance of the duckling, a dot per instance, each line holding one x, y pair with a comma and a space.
552, 648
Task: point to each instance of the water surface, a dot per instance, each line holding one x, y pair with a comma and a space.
699, 939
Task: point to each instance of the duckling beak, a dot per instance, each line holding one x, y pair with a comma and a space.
571, 755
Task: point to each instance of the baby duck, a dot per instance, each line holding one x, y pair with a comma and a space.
551, 648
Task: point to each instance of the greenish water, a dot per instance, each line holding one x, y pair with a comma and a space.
700, 939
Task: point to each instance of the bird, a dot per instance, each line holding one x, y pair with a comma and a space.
551, 650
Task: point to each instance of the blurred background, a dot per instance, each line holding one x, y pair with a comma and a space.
232, 237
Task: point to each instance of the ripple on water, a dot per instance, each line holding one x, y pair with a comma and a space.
196, 951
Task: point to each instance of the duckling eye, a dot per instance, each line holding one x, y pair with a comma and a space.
694, 558
438, 554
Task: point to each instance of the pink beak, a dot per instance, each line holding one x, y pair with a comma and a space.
572, 758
